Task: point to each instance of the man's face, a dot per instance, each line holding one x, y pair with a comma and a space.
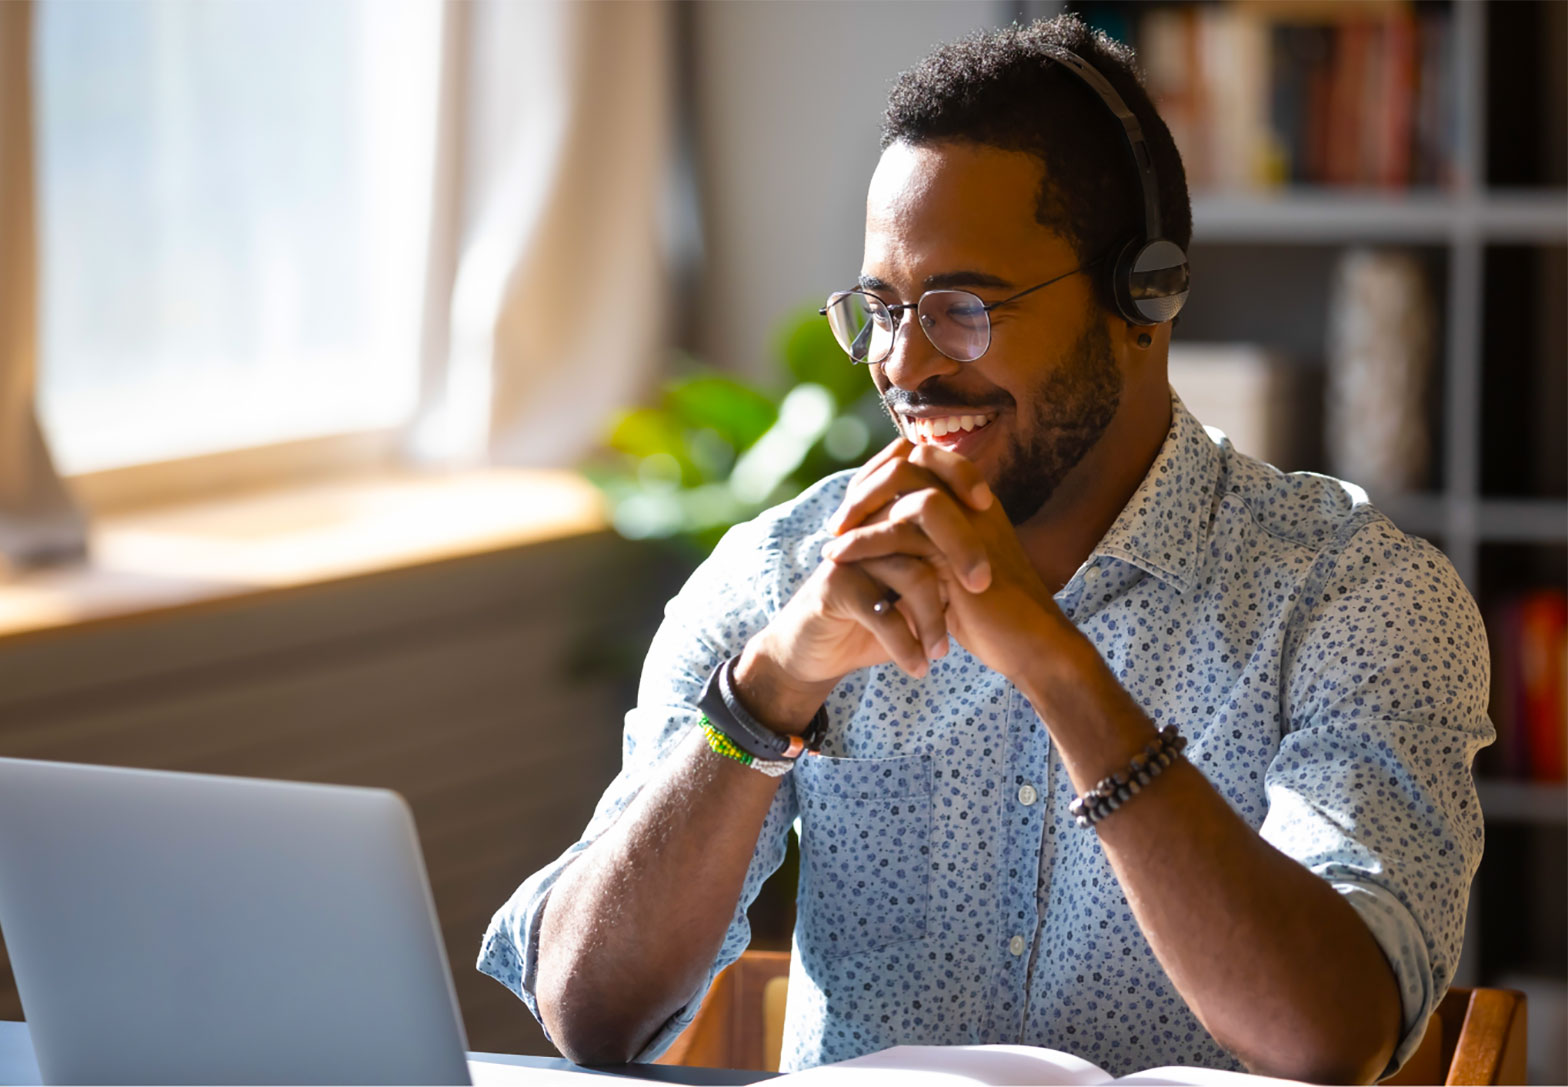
962, 216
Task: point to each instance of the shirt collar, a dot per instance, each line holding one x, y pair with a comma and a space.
1163, 526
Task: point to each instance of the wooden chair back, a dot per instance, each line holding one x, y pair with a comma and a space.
741, 1023
1476, 1036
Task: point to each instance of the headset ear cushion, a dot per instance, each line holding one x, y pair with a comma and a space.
1150, 281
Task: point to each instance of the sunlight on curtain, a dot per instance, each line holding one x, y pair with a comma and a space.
39, 523
235, 207
559, 287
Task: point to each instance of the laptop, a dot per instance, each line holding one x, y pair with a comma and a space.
186, 928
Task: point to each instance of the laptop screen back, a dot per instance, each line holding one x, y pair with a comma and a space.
185, 928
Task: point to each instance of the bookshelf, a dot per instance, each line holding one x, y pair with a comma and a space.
1492, 236
1430, 218
1528, 802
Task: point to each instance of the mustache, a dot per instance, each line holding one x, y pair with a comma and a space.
929, 396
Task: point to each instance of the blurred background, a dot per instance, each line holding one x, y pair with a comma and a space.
370, 372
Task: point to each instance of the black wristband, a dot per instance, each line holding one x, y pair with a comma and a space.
724, 711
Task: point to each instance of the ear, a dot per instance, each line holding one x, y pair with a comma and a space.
1140, 350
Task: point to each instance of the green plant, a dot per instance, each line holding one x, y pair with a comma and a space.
717, 450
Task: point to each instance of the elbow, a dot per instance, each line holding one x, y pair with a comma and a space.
1322, 1067
582, 1027
1343, 1067
593, 1050
1336, 1053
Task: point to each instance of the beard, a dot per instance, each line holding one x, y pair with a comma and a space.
1074, 405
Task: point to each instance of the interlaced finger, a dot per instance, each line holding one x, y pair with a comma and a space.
912, 630
895, 476
919, 602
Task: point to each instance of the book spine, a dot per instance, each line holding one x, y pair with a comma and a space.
1399, 42
1543, 683
1331, 94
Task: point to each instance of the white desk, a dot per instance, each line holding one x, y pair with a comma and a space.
18, 1066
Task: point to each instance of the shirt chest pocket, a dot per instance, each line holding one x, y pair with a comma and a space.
865, 852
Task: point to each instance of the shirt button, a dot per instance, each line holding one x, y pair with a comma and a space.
1027, 795
1016, 945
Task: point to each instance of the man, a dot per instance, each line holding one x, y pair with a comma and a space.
1004, 607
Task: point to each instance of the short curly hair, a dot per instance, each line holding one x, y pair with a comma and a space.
1003, 89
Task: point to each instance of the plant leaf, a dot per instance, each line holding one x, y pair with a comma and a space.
643, 432
813, 355
739, 413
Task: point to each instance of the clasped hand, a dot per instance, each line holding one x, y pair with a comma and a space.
920, 521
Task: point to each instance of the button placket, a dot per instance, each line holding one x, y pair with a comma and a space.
1017, 919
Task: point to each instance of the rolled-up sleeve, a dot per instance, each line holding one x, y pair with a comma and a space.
727, 600
1372, 786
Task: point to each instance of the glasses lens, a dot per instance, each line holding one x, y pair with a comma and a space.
861, 324
956, 323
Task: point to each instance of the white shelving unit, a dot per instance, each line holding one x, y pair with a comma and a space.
1420, 217
1529, 802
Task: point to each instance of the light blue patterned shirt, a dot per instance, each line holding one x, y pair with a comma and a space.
1329, 672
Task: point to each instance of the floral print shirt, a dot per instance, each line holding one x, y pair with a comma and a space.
1328, 671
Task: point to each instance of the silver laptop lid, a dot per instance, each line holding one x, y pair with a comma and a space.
186, 928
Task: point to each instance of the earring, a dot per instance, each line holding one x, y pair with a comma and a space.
1144, 340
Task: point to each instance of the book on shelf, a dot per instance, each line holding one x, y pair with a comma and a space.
1265, 405
1261, 95
1380, 353
1529, 636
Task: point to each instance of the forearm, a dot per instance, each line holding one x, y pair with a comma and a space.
1271, 959
632, 925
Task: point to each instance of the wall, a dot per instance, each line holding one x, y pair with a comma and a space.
789, 101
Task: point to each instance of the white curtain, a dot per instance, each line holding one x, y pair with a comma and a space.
39, 522
547, 307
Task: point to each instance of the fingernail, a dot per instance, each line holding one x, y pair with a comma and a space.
979, 576
937, 649
982, 496
832, 549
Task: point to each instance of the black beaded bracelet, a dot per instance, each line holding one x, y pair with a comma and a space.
1114, 791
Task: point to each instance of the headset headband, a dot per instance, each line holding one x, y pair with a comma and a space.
1136, 144
1149, 280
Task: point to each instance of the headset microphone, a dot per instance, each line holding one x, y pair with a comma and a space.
1149, 277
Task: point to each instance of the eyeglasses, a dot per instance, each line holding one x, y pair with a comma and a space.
957, 323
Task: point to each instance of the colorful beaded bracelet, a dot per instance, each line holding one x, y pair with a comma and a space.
720, 744
1114, 791
720, 703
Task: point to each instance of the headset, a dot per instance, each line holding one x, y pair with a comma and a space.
1149, 276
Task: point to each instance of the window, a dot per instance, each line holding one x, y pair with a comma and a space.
234, 210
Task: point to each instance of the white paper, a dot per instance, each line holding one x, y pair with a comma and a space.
951, 1066
1187, 1076
1002, 1066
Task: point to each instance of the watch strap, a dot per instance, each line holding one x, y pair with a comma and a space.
724, 710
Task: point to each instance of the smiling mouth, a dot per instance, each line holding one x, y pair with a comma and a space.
929, 428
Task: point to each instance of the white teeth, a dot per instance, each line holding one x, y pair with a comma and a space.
929, 429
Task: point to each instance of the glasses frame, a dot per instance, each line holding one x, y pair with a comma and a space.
897, 310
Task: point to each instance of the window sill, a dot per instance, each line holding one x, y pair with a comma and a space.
190, 555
